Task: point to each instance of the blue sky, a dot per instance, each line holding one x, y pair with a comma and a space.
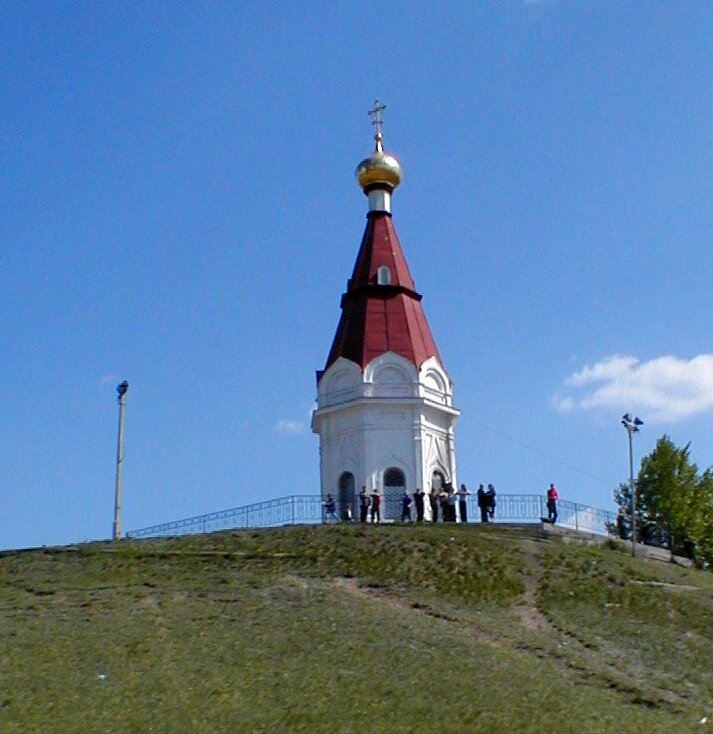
178, 209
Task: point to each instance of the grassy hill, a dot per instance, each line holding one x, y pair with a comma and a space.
354, 629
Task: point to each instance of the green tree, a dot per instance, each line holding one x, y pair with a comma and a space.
673, 500
665, 490
674, 503
702, 531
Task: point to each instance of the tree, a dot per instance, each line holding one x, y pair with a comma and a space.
666, 489
702, 532
674, 502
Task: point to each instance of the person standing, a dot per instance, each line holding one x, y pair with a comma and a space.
462, 503
406, 507
482, 503
363, 505
443, 502
418, 499
434, 504
452, 501
552, 498
330, 508
375, 505
491, 501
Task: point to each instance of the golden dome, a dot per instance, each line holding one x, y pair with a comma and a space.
379, 169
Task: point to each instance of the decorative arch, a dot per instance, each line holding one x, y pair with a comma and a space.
390, 369
339, 382
342, 379
434, 381
390, 375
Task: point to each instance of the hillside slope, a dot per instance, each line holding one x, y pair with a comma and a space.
350, 628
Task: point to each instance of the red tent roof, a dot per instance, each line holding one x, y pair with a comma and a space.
381, 318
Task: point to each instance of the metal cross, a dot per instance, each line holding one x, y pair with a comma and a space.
377, 122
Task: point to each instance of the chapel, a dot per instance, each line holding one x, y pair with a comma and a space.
384, 415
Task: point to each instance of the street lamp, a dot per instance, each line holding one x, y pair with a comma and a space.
632, 427
121, 389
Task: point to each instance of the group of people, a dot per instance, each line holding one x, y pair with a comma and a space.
447, 499
486, 503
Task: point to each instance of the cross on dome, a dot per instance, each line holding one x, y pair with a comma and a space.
380, 171
377, 122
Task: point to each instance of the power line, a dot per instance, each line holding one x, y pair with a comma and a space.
545, 454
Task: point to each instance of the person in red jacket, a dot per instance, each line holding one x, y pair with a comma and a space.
552, 498
375, 505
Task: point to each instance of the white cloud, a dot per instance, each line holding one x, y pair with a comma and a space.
108, 380
663, 389
292, 428
562, 403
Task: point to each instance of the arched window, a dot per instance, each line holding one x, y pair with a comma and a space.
394, 478
383, 276
394, 487
346, 495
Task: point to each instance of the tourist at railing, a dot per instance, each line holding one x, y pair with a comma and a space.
462, 503
491, 501
483, 504
330, 508
552, 498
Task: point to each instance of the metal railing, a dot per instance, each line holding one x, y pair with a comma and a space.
293, 510
309, 510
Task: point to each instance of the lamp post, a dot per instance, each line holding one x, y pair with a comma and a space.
121, 390
632, 427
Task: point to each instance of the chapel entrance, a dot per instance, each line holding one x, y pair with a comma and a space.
394, 487
345, 501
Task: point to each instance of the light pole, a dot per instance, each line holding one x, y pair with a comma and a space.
121, 390
632, 427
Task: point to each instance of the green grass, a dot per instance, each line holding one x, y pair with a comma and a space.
366, 629
651, 621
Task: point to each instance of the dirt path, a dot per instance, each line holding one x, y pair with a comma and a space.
528, 613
